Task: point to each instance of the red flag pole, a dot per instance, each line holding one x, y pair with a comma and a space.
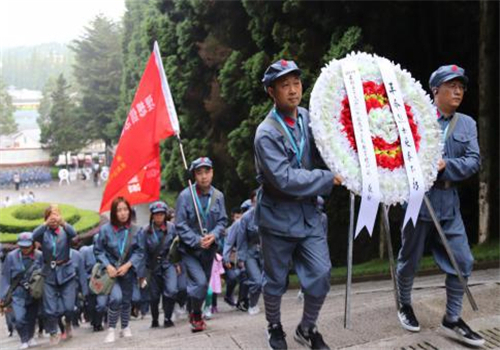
175, 123
190, 184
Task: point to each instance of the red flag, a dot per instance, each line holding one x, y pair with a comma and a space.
135, 170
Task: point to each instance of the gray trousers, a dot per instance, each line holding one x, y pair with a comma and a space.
413, 243
55, 296
253, 265
412, 248
198, 270
25, 317
310, 256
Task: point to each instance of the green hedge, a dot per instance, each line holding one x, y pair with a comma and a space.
21, 218
88, 220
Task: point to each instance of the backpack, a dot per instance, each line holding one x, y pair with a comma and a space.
36, 283
100, 283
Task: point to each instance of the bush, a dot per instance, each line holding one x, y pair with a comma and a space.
21, 218
88, 220
54, 172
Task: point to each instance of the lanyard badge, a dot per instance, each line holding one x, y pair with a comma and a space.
203, 211
297, 150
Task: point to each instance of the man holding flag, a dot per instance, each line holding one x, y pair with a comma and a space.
198, 248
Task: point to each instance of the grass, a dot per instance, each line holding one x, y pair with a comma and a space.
21, 218
8, 237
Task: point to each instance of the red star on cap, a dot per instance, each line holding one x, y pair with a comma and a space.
284, 63
454, 68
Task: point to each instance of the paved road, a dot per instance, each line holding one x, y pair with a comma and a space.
374, 322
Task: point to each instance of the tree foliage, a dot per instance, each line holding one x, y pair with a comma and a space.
29, 67
98, 72
215, 54
8, 124
61, 128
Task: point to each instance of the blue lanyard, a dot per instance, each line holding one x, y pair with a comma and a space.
445, 132
156, 235
54, 245
22, 261
122, 243
203, 211
297, 150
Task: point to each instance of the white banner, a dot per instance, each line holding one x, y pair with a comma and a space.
412, 163
370, 196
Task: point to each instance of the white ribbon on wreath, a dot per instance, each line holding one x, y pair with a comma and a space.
333, 125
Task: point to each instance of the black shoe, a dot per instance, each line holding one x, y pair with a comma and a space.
168, 323
134, 312
98, 328
460, 331
310, 338
276, 337
242, 306
155, 324
408, 319
229, 301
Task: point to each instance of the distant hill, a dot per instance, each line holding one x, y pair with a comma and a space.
30, 67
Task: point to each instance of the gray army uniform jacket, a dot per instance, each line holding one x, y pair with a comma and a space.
286, 203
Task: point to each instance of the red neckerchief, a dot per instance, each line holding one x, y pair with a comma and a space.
162, 227
290, 121
116, 228
31, 255
199, 193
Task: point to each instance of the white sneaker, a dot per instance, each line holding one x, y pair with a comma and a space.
126, 332
24, 346
253, 310
180, 311
32, 342
300, 295
110, 337
207, 313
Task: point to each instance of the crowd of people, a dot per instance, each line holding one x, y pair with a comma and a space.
177, 260
25, 177
142, 264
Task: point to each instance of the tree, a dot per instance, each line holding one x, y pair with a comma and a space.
488, 112
46, 103
8, 124
215, 53
61, 132
98, 71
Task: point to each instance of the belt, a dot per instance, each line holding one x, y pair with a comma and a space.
54, 263
277, 194
443, 185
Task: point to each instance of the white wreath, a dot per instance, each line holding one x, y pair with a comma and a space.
337, 150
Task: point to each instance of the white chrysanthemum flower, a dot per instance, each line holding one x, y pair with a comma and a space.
337, 150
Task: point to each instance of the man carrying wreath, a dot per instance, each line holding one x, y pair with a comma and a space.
460, 161
286, 213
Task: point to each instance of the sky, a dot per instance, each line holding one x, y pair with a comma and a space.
32, 22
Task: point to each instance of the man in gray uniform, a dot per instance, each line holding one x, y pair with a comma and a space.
286, 214
198, 248
460, 160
